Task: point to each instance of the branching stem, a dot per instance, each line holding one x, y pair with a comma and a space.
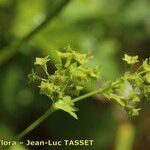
87, 95
53, 109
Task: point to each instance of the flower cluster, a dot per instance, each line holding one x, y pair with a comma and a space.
131, 87
65, 84
69, 77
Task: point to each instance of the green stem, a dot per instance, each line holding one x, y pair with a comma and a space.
49, 112
14, 46
105, 88
53, 109
87, 95
49, 17
36, 123
144, 71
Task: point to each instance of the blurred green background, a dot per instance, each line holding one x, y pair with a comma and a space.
109, 28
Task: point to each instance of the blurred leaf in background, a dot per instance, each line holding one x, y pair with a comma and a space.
107, 28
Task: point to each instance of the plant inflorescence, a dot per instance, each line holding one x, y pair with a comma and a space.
66, 83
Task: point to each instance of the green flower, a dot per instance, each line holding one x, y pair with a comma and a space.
118, 98
77, 73
130, 59
57, 93
125, 89
41, 61
132, 111
64, 54
33, 76
94, 73
147, 77
146, 89
58, 78
135, 99
146, 65
46, 88
78, 87
74, 89
135, 111
135, 79
80, 58
72, 68
80, 75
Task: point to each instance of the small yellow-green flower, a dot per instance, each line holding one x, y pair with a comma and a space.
64, 54
130, 59
146, 89
135, 78
80, 58
79, 74
41, 61
147, 77
135, 111
146, 65
46, 88
57, 78
78, 87
94, 73
33, 76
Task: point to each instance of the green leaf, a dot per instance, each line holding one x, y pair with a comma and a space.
67, 105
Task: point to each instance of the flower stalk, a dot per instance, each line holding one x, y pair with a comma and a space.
63, 87
36, 123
